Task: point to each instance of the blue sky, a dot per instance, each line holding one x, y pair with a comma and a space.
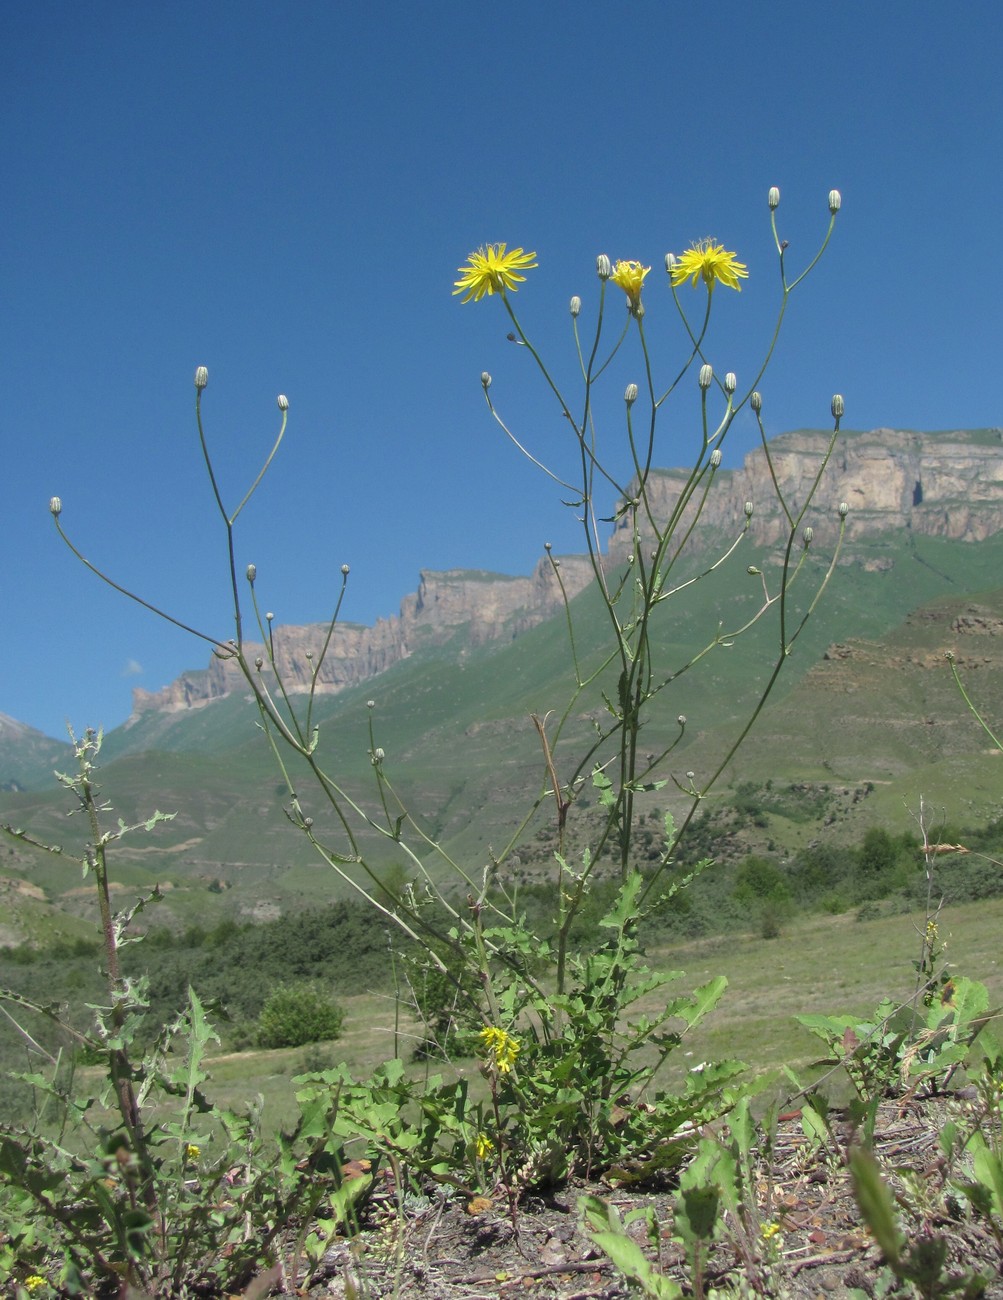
283, 193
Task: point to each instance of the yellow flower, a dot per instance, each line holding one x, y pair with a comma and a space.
630, 277
492, 270
192, 1153
501, 1048
484, 1146
709, 261
33, 1282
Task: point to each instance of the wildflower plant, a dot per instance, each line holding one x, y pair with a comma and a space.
567, 1035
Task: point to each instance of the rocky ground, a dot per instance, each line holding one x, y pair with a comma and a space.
445, 1247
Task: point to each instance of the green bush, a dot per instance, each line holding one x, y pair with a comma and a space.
297, 1014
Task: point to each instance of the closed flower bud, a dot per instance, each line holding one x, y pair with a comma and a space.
756, 401
630, 394
706, 376
837, 406
575, 305
258, 662
844, 509
807, 535
604, 268
269, 616
715, 458
835, 201
252, 572
370, 704
55, 506
485, 379
548, 547
670, 262
749, 507
378, 756
773, 198
752, 571
681, 719
345, 570
730, 382
201, 377
283, 402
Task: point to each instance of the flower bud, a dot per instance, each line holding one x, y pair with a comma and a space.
55, 506
807, 535
283, 402
575, 305
752, 571
345, 570
370, 704
773, 198
259, 663
548, 547
730, 382
756, 401
378, 756
749, 507
201, 378
485, 380
252, 572
706, 376
835, 201
269, 616
844, 509
604, 268
715, 458
837, 406
681, 719
670, 262
630, 394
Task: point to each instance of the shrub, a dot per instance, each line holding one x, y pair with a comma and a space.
297, 1014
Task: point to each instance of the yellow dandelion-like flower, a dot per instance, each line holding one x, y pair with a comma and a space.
192, 1153
630, 277
770, 1230
710, 261
483, 1146
34, 1282
492, 270
500, 1048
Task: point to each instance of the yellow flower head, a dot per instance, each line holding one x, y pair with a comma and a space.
710, 261
492, 270
500, 1048
483, 1146
34, 1282
630, 277
192, 1153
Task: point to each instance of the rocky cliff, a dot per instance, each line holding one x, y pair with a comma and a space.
940, 484
947, 485
487, 606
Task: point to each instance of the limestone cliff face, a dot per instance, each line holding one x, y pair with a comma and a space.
489, 606
946, 485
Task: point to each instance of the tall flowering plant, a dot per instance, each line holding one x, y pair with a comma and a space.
558, 1029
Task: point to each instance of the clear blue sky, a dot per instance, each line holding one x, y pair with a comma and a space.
283, 193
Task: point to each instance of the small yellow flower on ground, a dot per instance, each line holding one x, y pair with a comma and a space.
484, 1146
710, 261
34, 1282
492, 270
630, 277
192, 1152
500, 1048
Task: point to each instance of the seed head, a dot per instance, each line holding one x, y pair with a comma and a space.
55, 507
201, 377
773, 198
706, 376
